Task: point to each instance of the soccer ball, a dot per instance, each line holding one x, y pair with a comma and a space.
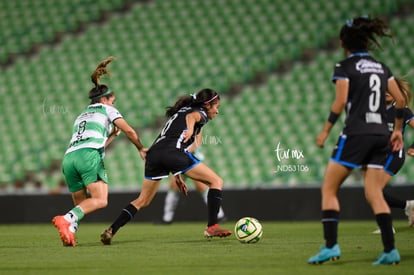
248, 230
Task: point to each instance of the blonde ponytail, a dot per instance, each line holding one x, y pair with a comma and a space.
100, 70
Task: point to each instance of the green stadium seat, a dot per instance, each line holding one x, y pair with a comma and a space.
170, 48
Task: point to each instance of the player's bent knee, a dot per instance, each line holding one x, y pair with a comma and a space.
101, 203
217, 183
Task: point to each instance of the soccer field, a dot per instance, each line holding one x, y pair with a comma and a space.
180, 248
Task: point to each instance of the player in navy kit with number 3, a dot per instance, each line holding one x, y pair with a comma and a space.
168, 154
361, 83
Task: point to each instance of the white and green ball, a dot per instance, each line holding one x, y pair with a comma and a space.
248, 230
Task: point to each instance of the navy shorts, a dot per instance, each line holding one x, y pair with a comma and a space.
362, 151
394, 162
160, 163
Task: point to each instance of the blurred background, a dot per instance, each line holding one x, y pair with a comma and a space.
271, 60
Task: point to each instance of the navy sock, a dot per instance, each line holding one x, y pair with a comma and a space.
330, 219
214, 198
384, 222
124, 217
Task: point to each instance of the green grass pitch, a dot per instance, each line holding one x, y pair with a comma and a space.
180, 248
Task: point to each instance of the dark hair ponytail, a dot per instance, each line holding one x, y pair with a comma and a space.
360, 34
100, 90
204, 96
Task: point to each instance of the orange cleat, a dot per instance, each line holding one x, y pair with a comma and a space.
67, 237
216, 231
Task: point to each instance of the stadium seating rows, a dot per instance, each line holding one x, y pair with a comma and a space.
169, 48
26, 22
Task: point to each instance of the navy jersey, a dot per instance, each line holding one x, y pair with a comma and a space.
171, 135
366, 107
408, 116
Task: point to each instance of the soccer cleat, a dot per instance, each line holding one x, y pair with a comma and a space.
409, 211
216, 231
106, 236
378, 231
390, 258
326, 254
67, 237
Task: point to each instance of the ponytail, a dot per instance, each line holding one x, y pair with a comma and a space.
204, 96
181, 102
100, 90
100, 70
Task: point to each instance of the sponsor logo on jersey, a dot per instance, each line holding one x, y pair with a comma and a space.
368, 66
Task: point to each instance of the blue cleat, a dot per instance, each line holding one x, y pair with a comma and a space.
390, 258
326, 254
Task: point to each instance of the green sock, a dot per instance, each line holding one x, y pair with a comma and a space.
78, 212
75, 215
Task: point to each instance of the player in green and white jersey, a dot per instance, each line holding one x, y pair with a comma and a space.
83, 164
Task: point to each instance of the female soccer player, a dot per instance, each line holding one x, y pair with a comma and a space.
396, 160
169, 154
83, 164
361, 82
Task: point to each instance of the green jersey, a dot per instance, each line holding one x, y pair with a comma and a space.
92, 127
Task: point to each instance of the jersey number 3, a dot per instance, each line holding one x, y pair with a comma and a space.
374, 100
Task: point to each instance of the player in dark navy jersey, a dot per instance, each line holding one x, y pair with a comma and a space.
169, 154
361, 82
396, 159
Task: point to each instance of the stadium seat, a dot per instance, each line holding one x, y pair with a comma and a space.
170, 48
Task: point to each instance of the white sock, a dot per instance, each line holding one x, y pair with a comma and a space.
170, 204
73, 227
71, 217
204, 195
220, 214
408, 205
